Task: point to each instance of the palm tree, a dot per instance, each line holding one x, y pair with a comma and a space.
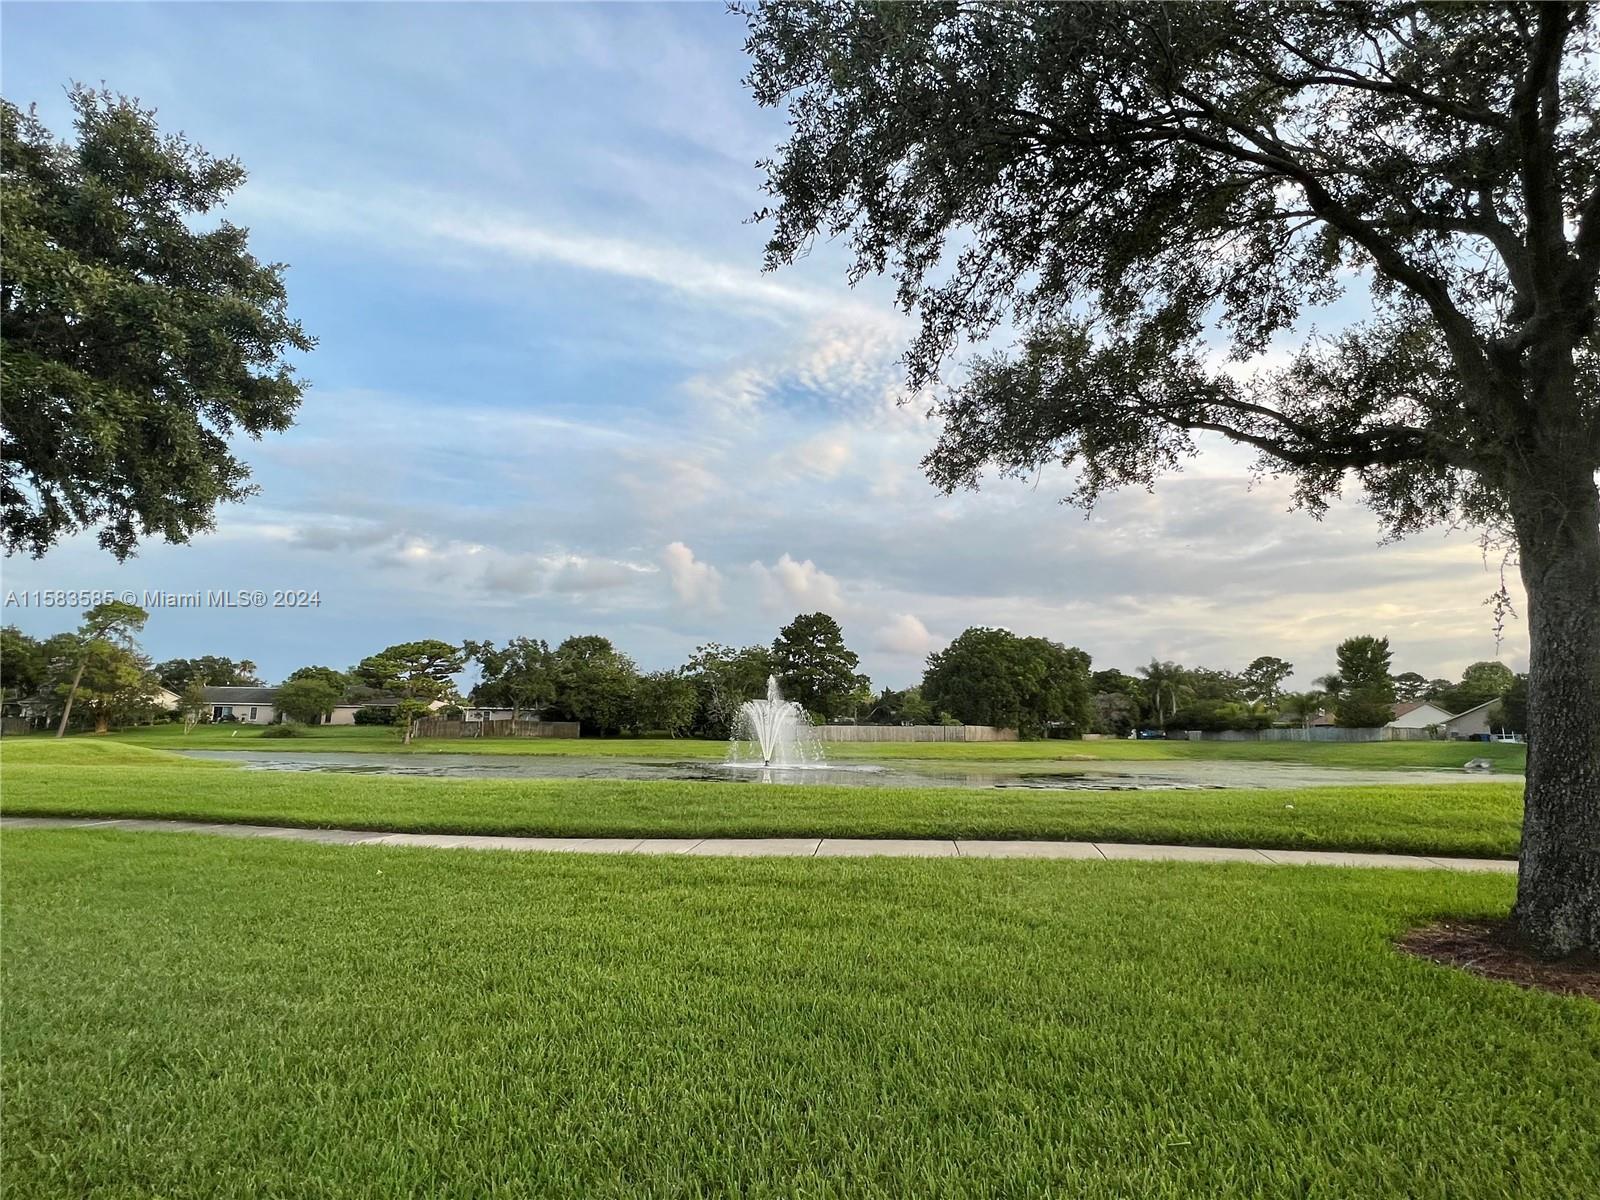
1332, 686
1166, 680
1302, 707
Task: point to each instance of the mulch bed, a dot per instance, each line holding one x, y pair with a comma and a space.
1486, 948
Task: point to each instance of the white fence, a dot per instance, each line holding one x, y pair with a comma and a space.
914, 733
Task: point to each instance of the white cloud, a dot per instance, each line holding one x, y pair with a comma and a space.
906, 634
576, 573
846, 364
804, 585
669, 267
697, 584
452, 224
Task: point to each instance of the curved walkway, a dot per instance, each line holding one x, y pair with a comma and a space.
809, 847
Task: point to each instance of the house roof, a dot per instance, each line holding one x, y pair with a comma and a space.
1406, 706
1476, 707
240, 695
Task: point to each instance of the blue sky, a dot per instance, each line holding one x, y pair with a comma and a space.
554, 393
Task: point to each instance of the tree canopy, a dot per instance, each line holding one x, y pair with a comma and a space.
816, 669
104, 641
308, 699
418, 672
1480, 683
664, 702
1264, 677
594, 684
22, 663
329, 675
1113, 180
1365, 696
135, 340
215, 671
1108, 202
521, 675
994, 677
724, 678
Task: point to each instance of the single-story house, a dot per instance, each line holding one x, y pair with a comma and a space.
1408, 714
1474, 721
481, 712
258, 705
38, 710
250, 705
1417, 714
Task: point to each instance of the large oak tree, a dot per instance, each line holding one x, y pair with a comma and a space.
1117, 182
137, 337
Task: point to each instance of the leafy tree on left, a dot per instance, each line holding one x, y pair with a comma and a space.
22, 663
102, 661
134, 342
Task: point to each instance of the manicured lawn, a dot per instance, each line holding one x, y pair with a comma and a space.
1371, 755
196, 1017
99, 778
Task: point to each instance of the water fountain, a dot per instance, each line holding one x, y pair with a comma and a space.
773, 733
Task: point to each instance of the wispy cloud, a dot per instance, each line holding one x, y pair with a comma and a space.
467, 234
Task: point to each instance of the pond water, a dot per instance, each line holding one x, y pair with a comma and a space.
1097, 777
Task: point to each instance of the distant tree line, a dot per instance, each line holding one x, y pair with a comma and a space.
97, 677
1360, 693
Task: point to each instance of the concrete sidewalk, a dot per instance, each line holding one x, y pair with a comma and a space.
810, 847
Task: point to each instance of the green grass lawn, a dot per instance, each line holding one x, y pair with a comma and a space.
195, 1017
83, 777
1374, 755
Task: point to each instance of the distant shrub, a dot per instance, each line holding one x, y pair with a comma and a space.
284, 729
374, 714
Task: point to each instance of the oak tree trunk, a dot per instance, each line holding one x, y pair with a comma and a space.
1556, 511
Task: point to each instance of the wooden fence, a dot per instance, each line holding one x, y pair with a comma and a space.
438, 727
1317, 733
914, 733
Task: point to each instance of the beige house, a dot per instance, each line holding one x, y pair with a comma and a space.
1474, 721
1417, 714
247, 705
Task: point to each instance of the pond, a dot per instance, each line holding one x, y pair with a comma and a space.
1096, 777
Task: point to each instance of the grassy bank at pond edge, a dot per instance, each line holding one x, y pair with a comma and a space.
109, 779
